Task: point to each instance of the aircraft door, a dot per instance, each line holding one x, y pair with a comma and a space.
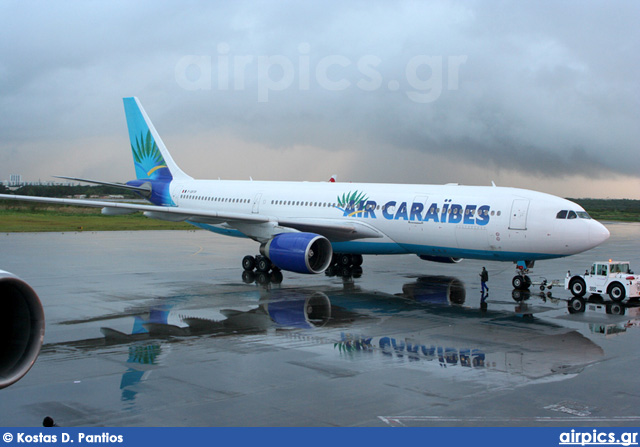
256, 203
518, 219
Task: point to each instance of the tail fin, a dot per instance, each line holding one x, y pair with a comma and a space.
150, 156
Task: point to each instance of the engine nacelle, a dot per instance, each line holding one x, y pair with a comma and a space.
21, 328
441, 259
299, 252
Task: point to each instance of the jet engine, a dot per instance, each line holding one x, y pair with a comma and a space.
21, 328
299, 252
442, 259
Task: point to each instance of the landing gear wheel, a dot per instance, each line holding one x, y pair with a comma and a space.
616, 293
248, 263
344, 260
357, 260
263, 265
521, 282
577, 304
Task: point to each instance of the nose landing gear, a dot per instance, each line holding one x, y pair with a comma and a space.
522, 281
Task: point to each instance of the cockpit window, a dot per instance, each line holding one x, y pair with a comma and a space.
567, 214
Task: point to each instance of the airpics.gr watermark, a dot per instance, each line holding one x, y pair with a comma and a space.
597, 437
423, 79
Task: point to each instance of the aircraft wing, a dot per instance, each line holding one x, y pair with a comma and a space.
337, 231
331, 229
159, 212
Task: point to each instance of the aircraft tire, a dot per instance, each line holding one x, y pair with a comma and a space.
263, 264
518, 282
248, 263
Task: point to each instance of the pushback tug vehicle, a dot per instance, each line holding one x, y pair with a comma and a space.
613, 278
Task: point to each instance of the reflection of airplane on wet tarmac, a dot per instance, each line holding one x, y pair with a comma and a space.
300, 226
426, 325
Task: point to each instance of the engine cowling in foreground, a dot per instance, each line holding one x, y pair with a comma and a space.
21, 328
299, 252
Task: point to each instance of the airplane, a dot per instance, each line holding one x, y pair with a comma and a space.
305, 227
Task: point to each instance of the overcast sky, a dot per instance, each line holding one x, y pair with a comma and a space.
541, 95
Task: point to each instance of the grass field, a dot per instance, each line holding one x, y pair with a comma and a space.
42, 218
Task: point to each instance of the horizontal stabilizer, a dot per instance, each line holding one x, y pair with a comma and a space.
145, 189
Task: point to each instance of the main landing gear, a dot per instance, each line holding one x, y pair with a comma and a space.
345, 265
265, 271
522, 281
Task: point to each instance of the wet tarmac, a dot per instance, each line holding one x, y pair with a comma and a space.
162, 329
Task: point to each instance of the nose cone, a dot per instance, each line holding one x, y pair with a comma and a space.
598, 233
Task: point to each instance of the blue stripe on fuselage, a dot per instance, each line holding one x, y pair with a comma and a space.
393, 248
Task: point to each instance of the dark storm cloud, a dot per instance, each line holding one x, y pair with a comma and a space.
543, 87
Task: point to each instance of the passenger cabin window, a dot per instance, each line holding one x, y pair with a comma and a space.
561, 214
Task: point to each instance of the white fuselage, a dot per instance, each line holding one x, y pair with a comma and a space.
495, 223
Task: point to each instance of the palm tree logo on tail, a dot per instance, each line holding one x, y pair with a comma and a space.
147, 158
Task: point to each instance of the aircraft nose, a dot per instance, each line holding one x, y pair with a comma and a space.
598, 233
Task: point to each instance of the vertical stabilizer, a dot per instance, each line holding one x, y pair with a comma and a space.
150, 156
